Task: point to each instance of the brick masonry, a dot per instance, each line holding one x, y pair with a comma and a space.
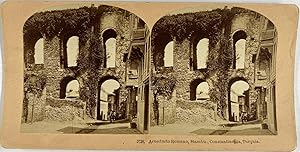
56, 72
180, 106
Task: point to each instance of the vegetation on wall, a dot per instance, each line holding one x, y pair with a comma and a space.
82, 22
34, 84
162, 85
88, 64
51, 23
214, 25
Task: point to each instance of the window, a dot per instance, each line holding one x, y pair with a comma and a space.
202, 50
72, 51
238, 99
168, 54
39, 52
199, 90
239, 42
72, 89
202, 91
163, 50
110, 46
240, 47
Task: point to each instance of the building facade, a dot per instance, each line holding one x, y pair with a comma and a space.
138, 73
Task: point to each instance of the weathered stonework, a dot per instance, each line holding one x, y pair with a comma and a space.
181, 108
58, 74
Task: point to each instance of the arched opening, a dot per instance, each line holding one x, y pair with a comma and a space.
108, 99
39, 52
202, 91
72, 89
109, 40
238, 103
239, 41
199, 90
163, 50
69, 88
202, 50
72, 51
168, 54
33, 48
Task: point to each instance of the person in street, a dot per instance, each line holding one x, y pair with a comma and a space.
111, 116
244, 117
114, 115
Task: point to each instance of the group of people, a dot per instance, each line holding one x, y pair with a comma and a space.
112, 115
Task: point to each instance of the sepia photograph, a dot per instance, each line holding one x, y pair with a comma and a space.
213, 73
148, 76
86, 71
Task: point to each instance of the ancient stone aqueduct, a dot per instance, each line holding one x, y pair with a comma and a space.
51, 103
223, 28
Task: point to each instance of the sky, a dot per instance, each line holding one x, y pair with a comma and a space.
110, 85
239, 87
202, 53
203, 90
240, 46
39, 52
72, 89
72, 50
110, 45
168, 60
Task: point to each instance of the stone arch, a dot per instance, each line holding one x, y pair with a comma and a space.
63, 86
101, 111
72, 51
168, 54
109, 44
70, 42
30, 39
239, 46
240, 95
199, 50
160, 43
39, 51
193, 88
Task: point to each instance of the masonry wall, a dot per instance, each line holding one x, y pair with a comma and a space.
56, 72
64, 109
180, 109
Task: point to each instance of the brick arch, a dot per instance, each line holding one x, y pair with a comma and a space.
63, 85
193, 87
65, 36
100, 82
105, 35
236, 36
195, 37
159, 44
230, 83
108, 33
30, 38
107, 77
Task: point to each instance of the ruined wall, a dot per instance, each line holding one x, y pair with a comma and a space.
64, 109
54, 57
35, 107
249, 23
182, 109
